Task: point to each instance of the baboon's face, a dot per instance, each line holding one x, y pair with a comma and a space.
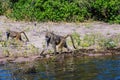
7, 34
48, 36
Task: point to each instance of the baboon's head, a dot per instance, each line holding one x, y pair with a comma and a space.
7, 32
48, 36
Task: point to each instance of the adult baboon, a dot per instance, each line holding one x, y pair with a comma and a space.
57, 40
15, 35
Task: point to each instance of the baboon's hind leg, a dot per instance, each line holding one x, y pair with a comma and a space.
66, 46
54, 47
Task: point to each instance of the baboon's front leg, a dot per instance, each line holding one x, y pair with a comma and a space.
66, 46
54, 47
46, 47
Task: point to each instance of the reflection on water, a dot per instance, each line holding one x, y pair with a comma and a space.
103, 68
6, 73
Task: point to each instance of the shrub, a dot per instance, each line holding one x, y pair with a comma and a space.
106, 10
42, 10
107, 43
61, 10
110, 44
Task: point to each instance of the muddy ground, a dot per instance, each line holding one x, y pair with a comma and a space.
35, 32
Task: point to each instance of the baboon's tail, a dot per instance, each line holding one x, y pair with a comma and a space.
73, 42
25, 35
66, 36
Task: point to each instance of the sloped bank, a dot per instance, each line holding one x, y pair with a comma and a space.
59, 57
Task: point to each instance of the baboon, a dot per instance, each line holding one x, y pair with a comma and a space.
15, 35
57, 40
63, 43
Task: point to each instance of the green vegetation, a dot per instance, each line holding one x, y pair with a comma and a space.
61, 10
13, 48
96, 41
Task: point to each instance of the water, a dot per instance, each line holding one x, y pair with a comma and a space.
102, 68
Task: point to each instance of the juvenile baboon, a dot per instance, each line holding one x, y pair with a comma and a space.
57, 40
15, 35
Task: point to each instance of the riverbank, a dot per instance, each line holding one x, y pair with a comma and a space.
30, 51
60, 57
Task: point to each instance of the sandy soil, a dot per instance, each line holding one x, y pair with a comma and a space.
36, 33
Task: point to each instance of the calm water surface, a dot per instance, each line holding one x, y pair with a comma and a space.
102, 68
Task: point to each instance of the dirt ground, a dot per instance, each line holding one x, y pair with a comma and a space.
36, 32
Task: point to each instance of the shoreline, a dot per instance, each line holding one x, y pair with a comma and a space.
76, 53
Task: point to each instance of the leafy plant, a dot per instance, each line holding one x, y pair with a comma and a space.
110, 44
61, 10
107, 43
77, 39
106, 10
